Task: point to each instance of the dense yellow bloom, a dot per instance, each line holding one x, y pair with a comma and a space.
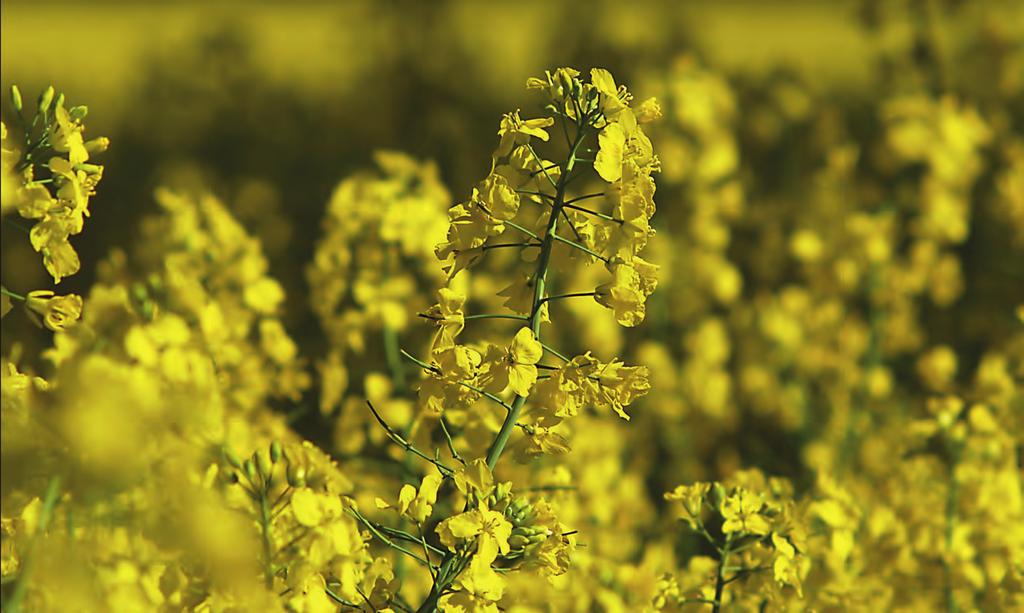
417, 505
835, 301
513, 367
448, 317
741, 510
515, 131
632, 282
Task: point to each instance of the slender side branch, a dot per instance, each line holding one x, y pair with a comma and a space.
496, 316
555, 352
576, 245
397, 438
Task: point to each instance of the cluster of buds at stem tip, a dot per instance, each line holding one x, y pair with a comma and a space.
265, 470
526, 531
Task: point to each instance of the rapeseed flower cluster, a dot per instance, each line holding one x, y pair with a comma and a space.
798, 386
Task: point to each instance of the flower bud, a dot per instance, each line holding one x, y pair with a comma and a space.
250, 470
45, 99
16, 98
263, 463
97, 145
92, 169
296, 475
566, 82
78, 113
276, 452
502, 490
231, 458
718, 495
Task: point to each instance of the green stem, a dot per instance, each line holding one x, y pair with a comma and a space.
525, 231
394, 358
595, 213
586, 250
720, 579
571, 201
451, 443
9, 293
45, 513
268, 564
526, 192
555, 352
387, 541
449, 569
952, 498
539, 282
572, 295
401, 442
506, 245
496, 316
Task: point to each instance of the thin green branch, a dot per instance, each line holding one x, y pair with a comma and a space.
339, 599
496, 316
595, 214
555, 352
50, 500
526, 192
9, 293
571, 201
540, 162
507, 245
571, 295
525, 231
576, 245
387, 541
451, 443
397, 438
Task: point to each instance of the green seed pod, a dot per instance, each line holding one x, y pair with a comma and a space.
250, 471
16, 98
263, 463
45, 99
231, 458
276, 452
78, 113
